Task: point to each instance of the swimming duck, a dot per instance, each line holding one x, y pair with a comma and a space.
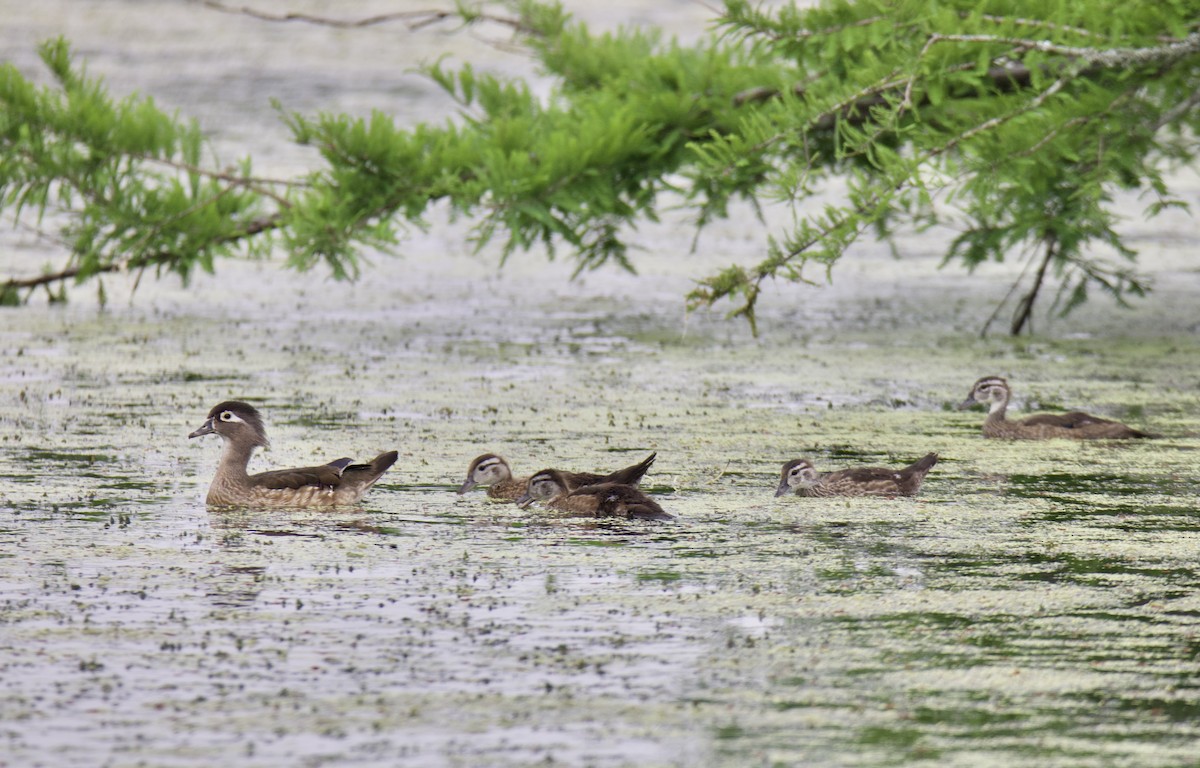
494, 472
1043, 426
608, 499
240, 426
800, 477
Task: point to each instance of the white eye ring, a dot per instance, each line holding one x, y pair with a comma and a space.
227, 416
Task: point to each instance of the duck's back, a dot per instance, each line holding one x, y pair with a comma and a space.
1075, 425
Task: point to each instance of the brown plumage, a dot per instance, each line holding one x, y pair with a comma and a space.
240, 426
800, 477
494, 472
1043, 426
550, 486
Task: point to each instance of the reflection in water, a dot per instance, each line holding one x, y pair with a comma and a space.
238, 586
1066, 483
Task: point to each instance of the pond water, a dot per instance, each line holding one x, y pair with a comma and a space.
1036, 605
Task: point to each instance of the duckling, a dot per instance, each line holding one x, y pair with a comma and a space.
608, 499
1043, 426
494, 472
799, 476
240, 426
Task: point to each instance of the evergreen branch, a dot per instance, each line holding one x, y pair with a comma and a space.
1177, 112
864, 214
1107, 58
256, 185
1012, 76
999, 120
16, 283
1003, 79
739, 15
256, 227
1039, 23
1080, 120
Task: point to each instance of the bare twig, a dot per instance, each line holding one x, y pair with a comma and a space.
1179, 110
998, 120
1024, 311
1035, 23
412, 20
805, 34
983, 332
258, 185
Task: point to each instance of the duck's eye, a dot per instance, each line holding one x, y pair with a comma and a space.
227, 416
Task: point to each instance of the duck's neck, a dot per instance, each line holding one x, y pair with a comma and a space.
996, 412
234, 459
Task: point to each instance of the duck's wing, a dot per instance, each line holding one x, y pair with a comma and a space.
1086, 425
861, 481
619, 500
331, 475
575, 480
1072, 420
325, 476
630, 475
862, 475
646, 509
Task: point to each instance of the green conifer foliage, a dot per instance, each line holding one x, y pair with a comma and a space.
1014, 121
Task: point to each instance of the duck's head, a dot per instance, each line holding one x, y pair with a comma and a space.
543, 486
487, 469
797, 473
990, 390
236, 422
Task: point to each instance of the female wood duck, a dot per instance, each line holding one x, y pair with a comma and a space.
800, 477
239, 424
493, 471
1043, 426
608, 499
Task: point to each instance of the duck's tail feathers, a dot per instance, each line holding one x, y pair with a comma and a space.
632, 474
923, 464
370, 472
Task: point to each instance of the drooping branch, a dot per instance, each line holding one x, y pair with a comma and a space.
895, 97
49, 278
256, 227
853, 221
